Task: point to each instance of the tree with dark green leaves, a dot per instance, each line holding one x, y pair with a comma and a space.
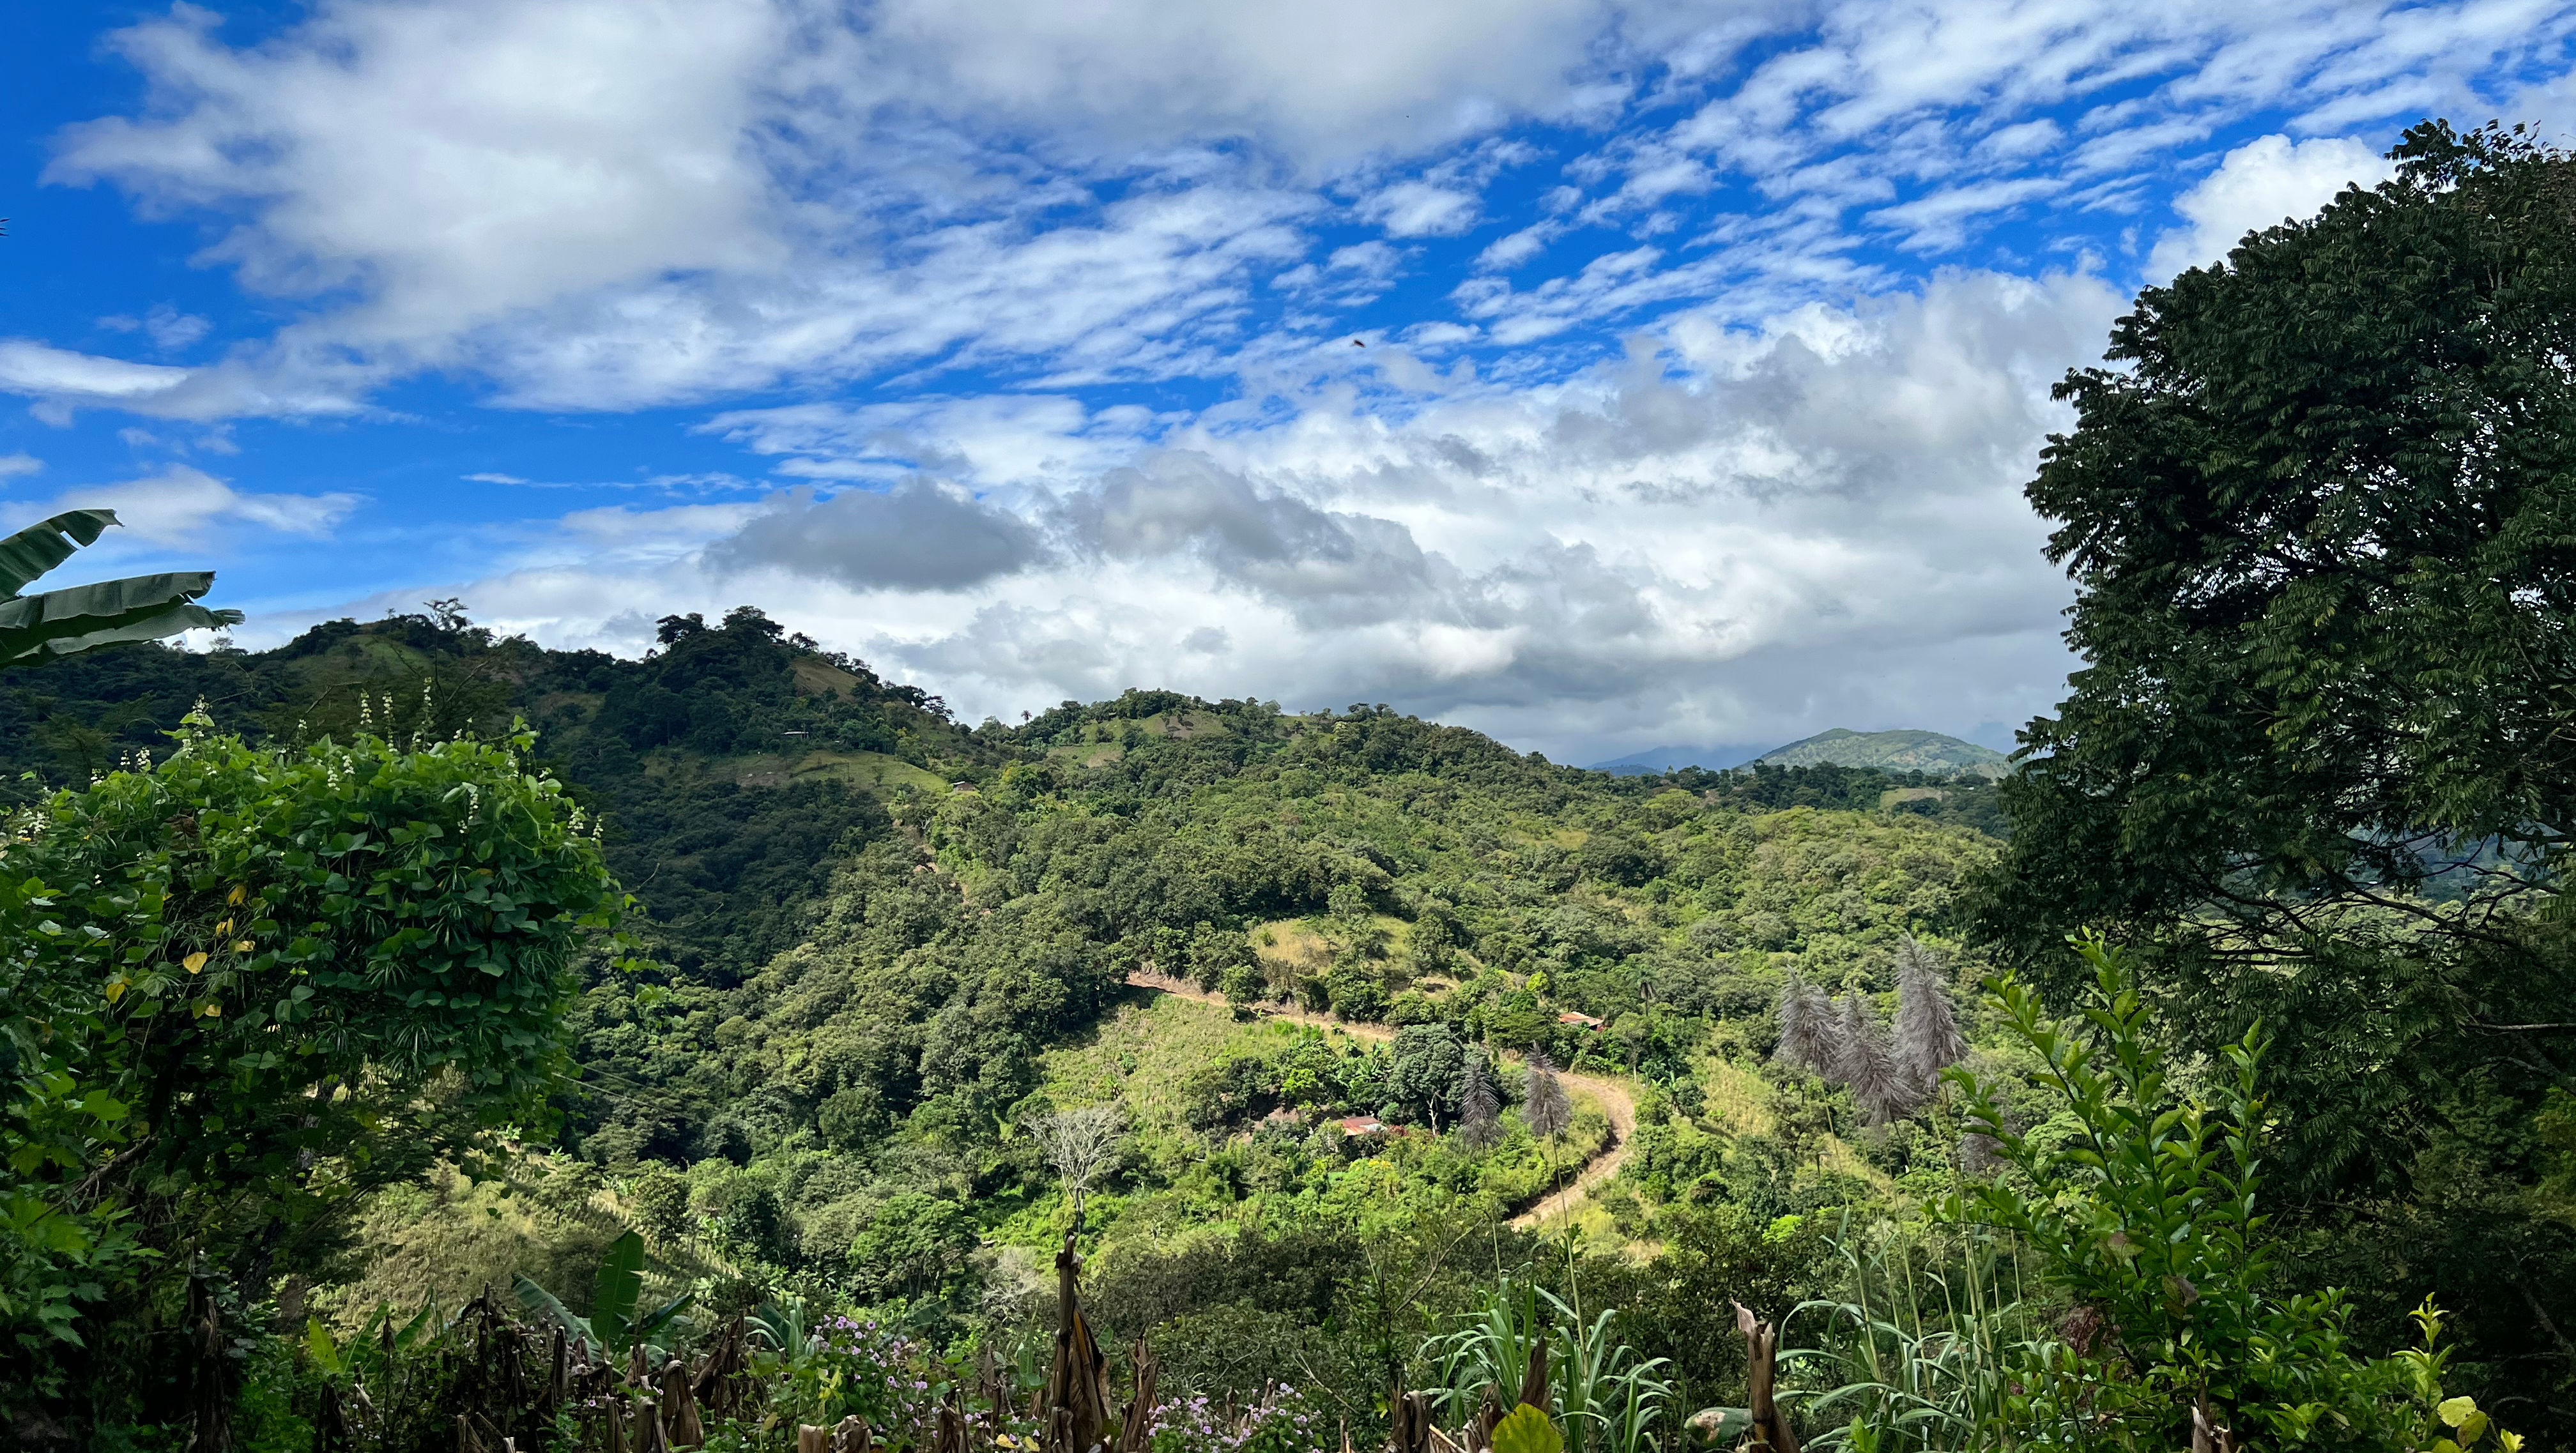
1423, 1072
85, 617
2319, 764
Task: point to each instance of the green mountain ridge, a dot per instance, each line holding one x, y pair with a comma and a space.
1930, 753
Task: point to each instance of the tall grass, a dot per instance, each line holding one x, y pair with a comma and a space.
1605, 1399
1915, 1354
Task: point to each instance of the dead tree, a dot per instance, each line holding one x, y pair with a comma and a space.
1771, 1432
1074, 1408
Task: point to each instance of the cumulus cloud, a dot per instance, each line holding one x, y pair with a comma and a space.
1327, 568
1047, 313
1726, 535
2258, 185
13, 465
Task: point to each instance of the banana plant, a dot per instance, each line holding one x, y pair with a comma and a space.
1602, 1399
612, 1325
785, 1325
85, 617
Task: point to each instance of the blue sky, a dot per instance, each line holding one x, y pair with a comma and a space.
1011, 345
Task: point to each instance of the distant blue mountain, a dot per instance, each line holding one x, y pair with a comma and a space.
1673, 759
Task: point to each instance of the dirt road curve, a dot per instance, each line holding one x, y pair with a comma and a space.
1610, 1095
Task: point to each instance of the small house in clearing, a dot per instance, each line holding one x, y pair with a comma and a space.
1586, 1020
1362, 1125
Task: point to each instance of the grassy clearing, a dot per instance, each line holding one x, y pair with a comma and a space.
1737, 1098
868, 769
1103, 742
1142, 1054
814, 676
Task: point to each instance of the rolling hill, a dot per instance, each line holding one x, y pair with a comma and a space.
877, 943
1930, 753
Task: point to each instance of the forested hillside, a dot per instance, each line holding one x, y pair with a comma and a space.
874, 945
421, 1039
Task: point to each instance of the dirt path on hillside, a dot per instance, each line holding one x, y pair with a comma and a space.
1613, 1097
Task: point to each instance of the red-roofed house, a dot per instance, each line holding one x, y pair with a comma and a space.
1586, 1020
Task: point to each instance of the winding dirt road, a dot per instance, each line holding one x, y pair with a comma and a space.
1613, 1098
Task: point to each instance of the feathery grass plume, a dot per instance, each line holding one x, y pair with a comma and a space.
1544, 1107
1927, 1033
1479, 1108
1862, 1061
1806, 1027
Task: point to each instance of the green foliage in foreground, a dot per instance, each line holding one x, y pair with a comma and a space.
248, 986
617, 1320
2147, 1219
2318, 767
2135, 1207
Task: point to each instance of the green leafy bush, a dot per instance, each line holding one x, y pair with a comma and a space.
248, 985
2146, 1220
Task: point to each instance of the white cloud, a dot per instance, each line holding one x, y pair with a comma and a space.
1730, 535
1929, 107
13, 465
1940, 221
988, 440
167, 327
1321, 83
1510, 251
2258, 185
598, 204
183, 505
604, 204
62, 376
1086, 275
1420, 209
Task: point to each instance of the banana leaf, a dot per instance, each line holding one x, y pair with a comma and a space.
620, 1284
545, 1307
660, 1317
48, 543
85, 617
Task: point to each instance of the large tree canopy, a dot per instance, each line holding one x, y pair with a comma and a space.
2320, 761
2323, 527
